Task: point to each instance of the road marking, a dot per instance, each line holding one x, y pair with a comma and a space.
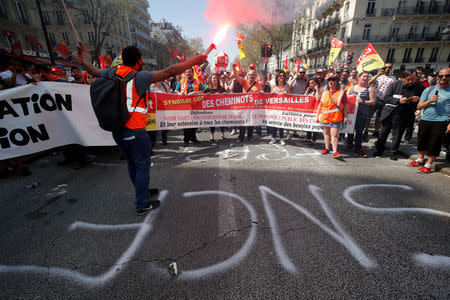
434, 261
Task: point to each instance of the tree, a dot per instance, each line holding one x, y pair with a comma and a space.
101, 14
280, 36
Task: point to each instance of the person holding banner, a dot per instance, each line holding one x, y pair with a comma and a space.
313, 90
365, 97
214, 88
133, 139
281, 87
332, 113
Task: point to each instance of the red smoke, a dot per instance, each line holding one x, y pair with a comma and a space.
236, 12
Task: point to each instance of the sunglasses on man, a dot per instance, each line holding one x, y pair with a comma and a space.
445, 75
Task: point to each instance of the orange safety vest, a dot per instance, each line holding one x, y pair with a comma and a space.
349, 84
185, 86
138, 115
332, 106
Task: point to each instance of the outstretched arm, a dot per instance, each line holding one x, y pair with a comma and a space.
174, 70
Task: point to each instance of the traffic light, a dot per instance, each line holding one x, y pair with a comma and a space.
350, 58
263, 51
269, 51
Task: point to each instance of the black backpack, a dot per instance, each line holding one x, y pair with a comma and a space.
108, 97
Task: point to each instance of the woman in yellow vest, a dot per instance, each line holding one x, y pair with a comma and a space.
331, 113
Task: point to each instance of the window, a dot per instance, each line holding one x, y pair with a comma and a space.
441, 28
59, 18
425, 30
366, 32
390, 55
91, 37
342, 33
395, 30
46, 16
346, 8
52, 38
407, 55
419, 55
370, 8
448, 58
86, 18
413, 30
2, 10
434, 53
21, 13
66, 38
401, 5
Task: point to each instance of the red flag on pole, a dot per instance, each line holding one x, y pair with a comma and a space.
177, 53
62, 49
187, 55
171, 54
286, 65
16, 49
238, 66
102, 61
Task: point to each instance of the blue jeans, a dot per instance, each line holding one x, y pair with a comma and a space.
360, 123
136, 147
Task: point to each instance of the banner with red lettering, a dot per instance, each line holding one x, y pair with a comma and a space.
229, 110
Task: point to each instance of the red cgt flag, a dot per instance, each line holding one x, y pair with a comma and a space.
62, 49
102, 61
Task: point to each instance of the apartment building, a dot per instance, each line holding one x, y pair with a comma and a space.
409, 33
20, 21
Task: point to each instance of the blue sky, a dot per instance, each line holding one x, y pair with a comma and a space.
188, 14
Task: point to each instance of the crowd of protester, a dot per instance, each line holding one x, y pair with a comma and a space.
396, 103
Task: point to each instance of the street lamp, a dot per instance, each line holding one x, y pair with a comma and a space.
444, 36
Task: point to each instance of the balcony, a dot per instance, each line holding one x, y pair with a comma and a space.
432, 9
404, 38
419, 60
140, 33
143, 23
326, 25
143, 10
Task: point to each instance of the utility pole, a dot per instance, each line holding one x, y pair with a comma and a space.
44, 28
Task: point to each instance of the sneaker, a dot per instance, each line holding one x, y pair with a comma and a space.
233, 132
416, 164
272, 141
326, 151
145, 210
223, 137
212, 140
393, 157
337, 155
282, 142
424, 170
361, 153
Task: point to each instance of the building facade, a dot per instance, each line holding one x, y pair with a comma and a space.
20, 21
408, 33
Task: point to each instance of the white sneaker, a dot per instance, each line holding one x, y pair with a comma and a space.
272, 141
288, 137
282, 142
233, 132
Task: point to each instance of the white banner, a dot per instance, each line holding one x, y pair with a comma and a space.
38, 117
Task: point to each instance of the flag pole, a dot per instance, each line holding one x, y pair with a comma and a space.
44, 28
70, 19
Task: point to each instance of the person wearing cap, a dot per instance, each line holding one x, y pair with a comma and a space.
332, 113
